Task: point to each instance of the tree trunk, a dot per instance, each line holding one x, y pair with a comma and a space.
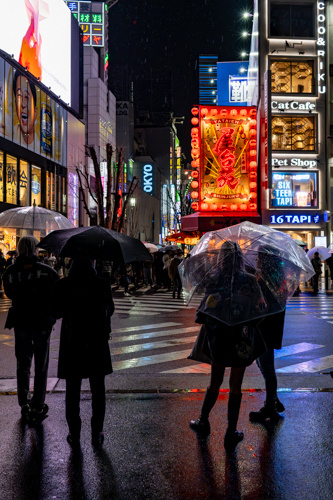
117, 200
99, 186
109, 153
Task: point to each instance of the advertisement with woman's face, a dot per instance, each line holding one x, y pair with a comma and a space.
29, 117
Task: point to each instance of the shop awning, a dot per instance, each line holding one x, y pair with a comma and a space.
210, 221
184, 237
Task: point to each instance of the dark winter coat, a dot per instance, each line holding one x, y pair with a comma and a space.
271, 329
84, 301
28, 283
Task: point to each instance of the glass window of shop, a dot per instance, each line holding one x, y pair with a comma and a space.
36, 185
293, 133
294, 189
11, 179
292, 77
292, 20
1, 175
24, 183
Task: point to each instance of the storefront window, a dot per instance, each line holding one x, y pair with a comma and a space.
292, 77
294, 189
11, 179
64, 196
36, 185
293, 133
1, 175
24, 183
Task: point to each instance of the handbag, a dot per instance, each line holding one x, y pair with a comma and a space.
197, 353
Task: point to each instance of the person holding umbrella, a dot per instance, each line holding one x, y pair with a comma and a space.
84, 349
316, 263
227, 345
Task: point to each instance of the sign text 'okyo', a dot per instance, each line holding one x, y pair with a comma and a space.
148, 178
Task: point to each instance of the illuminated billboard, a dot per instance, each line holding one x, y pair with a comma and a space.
90, 16
38, 35
294, 189
224, 159
29, 117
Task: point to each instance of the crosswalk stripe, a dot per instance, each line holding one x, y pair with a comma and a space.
142, 304
135, 313
162, 344
295, 349
145, 327
149, 335
200, 368
150, 360
312, 366
142, 309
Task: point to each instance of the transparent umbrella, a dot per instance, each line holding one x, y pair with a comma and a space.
324, 253
34, 219
227, 265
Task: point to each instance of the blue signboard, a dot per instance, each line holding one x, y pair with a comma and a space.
232, 83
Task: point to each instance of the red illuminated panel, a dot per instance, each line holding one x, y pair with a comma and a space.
226, 155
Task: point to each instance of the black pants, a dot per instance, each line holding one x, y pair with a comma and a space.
177, 287
73, 389
28, 345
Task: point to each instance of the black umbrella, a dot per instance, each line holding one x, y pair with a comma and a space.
95, 242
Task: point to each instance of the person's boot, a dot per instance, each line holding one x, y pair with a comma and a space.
202, 424
271, 410
232, 436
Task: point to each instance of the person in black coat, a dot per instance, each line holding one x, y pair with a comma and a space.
227, 345
84, 301
28, 283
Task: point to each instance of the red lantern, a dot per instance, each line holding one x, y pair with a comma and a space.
195, 111
233, 206
253, 123
195, 205
195, 174
253, 143
253, 195
243, 206
253, 113
194, 131
195, 163
194, 184
195, 143
224, 207
214, 112
195, 152
253, 175
214, 206
224, 112
253, 185
253, 152
253, 206
233, 112
194, 195
243, 112
253, 165
194, 121
253, 132
204, 111
204, 206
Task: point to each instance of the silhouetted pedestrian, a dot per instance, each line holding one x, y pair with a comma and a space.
28, 283
174, 275
316, 263
84, 348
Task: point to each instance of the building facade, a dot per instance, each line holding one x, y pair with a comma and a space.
289, 83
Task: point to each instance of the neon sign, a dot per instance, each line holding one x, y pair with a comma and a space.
291, 189
295, 219
321, 44
293, 105
148, 178
293, 162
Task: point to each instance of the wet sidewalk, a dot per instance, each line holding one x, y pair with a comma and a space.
150, 451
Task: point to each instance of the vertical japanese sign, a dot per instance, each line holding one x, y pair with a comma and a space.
266, 169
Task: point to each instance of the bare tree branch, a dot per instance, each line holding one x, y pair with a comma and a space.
79, 173
109, 153
129, 194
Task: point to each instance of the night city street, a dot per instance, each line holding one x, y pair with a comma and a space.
149, 449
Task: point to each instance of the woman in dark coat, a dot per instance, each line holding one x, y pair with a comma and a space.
84, 301
227, 345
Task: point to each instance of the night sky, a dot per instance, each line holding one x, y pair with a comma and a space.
156, 37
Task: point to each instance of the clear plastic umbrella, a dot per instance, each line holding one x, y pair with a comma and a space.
276, 262
150, 247
324, 253
34, 219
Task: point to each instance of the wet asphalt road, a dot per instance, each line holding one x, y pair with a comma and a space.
150, 451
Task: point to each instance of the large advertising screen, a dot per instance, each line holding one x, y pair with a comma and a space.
90, 16
224, 153
29, 117
294, 189
38, 35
